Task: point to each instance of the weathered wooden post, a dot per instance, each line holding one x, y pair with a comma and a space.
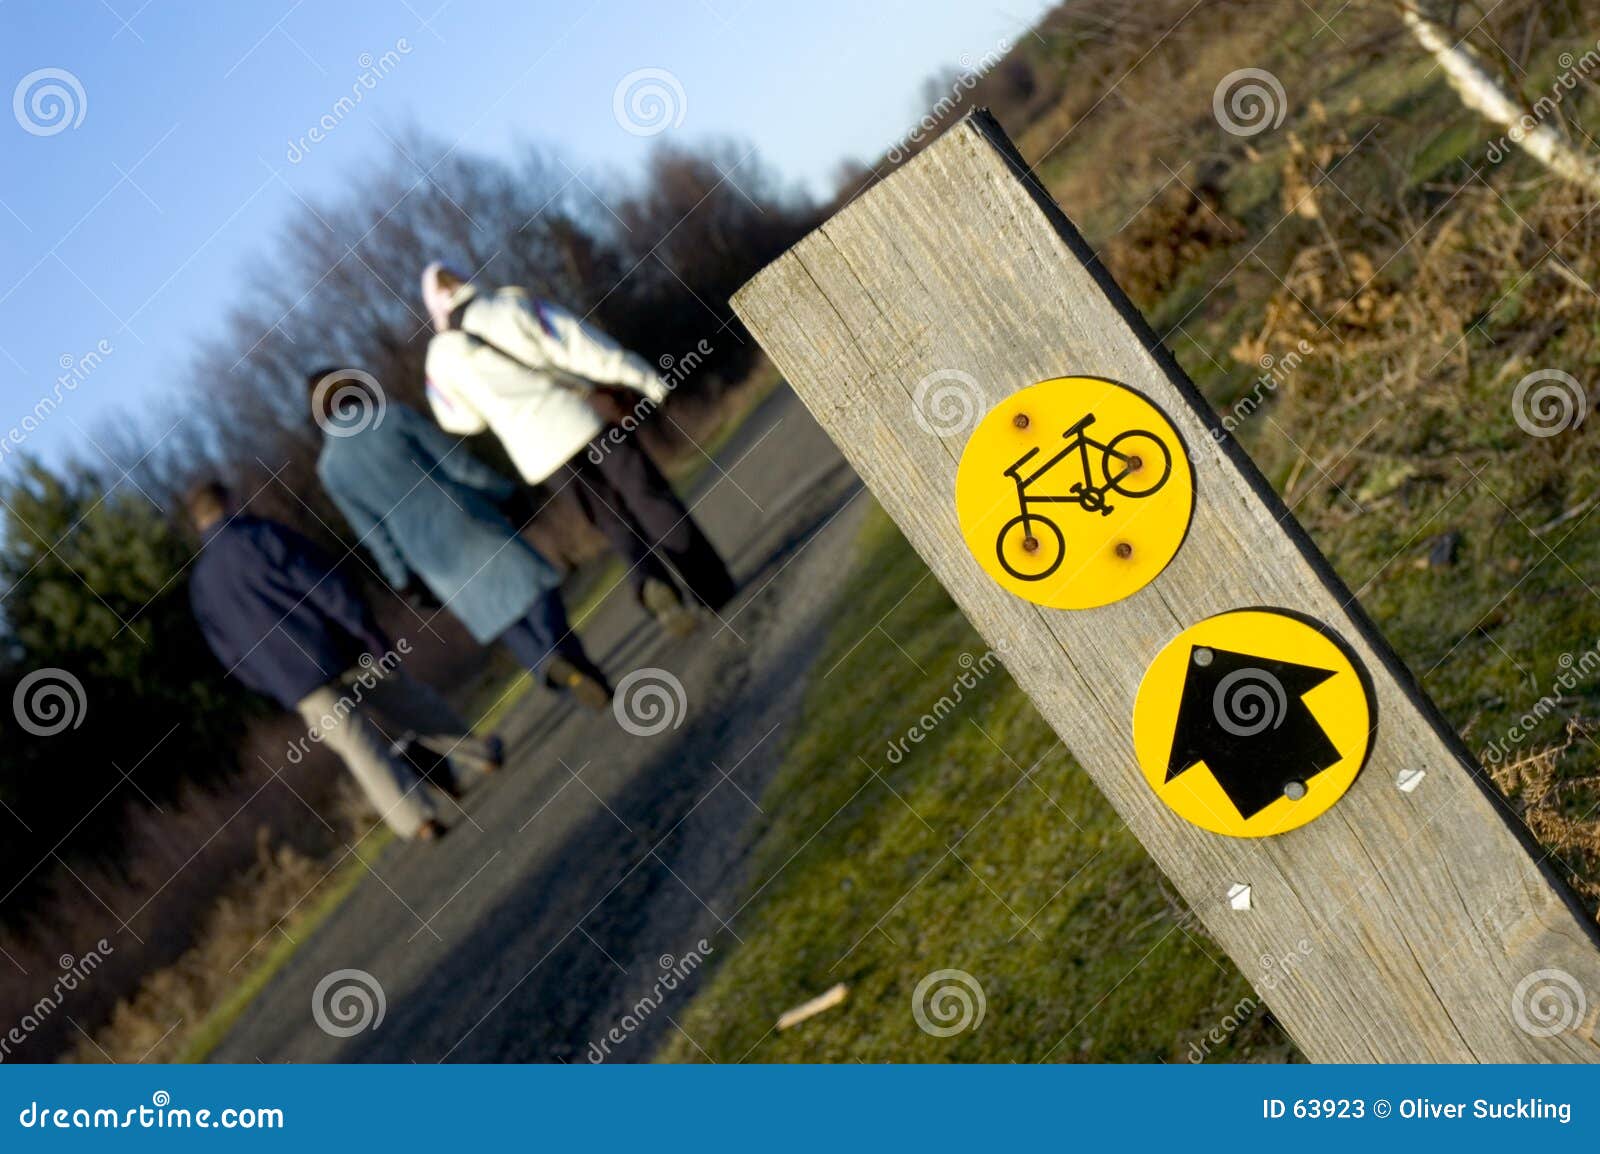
1434, 930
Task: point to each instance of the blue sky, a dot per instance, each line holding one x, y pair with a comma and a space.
130, 222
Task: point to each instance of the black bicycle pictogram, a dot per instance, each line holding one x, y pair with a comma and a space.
1133, 464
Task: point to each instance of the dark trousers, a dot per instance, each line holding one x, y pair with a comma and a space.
545, 633
625, 496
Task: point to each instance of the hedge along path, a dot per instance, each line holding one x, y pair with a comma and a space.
1434, 931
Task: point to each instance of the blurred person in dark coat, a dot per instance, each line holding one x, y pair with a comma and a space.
283, 622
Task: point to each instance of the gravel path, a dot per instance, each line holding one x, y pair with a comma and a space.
595, 863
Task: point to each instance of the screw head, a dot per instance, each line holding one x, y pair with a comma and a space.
1203, 656
1030, 544
1135, 463
1294, 790
1124, 550
1020, 420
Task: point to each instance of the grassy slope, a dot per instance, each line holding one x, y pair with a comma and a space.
1379, 461
985, 849
1384, 437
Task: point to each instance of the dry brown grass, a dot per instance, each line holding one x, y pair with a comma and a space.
1397, 284
1424, 285
1151, 68
1177, 229
1552, 804
178, 860
150, 1026
181, 861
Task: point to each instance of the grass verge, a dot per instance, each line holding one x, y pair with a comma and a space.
204, 1037
927, 819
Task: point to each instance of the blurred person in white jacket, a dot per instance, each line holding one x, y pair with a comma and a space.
554, 390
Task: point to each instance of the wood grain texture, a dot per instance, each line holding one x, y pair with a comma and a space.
1422, 914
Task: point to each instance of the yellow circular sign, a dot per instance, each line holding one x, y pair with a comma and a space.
1074, 492
1252, 722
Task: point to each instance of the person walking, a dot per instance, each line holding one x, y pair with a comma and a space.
555, 391
422, 505
284, 623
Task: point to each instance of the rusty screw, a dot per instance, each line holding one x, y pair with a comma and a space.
1124, 550
1020, 420
1030, 544
1135, 464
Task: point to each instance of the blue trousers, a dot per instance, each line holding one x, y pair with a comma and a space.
545, 633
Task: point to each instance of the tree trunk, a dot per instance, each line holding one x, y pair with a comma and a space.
1480, 91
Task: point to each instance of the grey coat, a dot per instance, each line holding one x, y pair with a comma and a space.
420, 503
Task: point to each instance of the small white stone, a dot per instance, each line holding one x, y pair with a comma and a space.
1239, 896
1409, 779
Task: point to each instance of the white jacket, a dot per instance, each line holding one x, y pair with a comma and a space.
529, 399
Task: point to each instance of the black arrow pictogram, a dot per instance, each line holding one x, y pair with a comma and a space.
1244, 716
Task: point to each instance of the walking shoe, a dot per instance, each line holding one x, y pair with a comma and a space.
666, 606
590, 690
434, 768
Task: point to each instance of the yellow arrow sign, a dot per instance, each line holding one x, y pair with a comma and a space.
1252, 723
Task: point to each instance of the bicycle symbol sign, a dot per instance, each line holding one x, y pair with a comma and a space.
1132, 464
1074, 492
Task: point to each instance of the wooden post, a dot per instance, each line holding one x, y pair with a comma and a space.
1432, 930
